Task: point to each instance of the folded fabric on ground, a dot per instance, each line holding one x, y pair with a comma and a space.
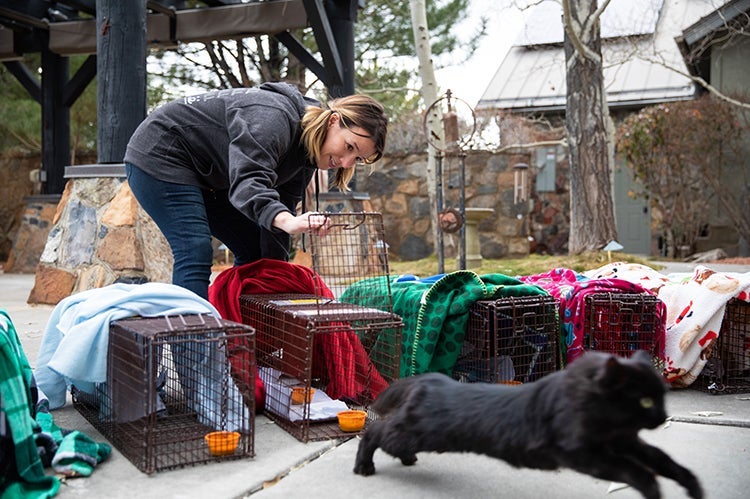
75, 342
22, 474
349, 369
71, 453
695, 305
571, 289
435, 312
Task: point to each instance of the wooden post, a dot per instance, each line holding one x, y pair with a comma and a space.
121, 73
342, 15
55, 121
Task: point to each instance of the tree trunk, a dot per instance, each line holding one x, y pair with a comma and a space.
429, 96
592, 217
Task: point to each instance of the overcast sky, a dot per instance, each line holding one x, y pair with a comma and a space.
468, 79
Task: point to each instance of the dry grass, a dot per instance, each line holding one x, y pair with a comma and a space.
533, 264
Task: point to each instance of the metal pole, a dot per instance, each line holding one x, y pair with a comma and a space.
439, 209
462, 209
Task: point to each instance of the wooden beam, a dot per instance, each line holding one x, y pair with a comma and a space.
306, 57
318, 18
240, 20
8, 50
75, 87
121, 75
26, 78
189, 25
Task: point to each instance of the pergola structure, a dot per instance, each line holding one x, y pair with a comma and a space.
116, 35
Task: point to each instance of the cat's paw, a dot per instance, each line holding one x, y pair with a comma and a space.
694, 488
409, 460
364, 469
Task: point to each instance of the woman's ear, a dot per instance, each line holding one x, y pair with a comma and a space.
334, 118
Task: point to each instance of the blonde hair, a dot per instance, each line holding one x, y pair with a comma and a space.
355, 111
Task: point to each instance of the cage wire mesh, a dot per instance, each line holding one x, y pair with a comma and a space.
621, 323
727, 369
510, 340
170, 382
342, 354
352, 250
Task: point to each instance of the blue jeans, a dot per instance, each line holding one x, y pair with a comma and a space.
189, 216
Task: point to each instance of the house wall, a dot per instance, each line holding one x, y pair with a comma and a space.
730, 74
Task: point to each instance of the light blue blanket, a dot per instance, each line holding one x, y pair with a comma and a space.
74, 345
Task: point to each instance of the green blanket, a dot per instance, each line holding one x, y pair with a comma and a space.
15, 397
435, 313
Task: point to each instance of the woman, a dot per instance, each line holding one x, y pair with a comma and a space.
234, 164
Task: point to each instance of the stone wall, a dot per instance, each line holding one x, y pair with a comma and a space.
97, 234
38, 213
15, 185
398, 189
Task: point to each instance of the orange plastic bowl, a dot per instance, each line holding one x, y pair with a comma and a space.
351, 420
301, 394
222, 443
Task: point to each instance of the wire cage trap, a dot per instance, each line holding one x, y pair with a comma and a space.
510, 340
340, 355
727, 369
621, 323
171, 381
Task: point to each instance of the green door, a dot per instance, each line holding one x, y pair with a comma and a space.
632, 213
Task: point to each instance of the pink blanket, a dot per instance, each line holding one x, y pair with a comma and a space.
571, 289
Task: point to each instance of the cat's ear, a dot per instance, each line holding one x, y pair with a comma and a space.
612, 373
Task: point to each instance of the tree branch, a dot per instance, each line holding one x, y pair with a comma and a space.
531, 145
700, 81
568, 26
593, 18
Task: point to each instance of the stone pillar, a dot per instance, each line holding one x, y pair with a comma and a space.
473, 249
100, 235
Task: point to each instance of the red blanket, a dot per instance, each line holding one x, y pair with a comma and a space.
347, 363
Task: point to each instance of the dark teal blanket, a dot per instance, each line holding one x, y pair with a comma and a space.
435, 312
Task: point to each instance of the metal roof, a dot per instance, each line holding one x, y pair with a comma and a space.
716, 20
638, 45
620, 18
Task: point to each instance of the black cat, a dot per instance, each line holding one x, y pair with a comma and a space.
586, 417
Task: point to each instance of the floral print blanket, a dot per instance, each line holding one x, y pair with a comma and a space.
695, 304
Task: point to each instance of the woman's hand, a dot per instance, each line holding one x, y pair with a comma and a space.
317, 223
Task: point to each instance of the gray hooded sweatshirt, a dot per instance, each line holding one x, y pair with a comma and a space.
244, 140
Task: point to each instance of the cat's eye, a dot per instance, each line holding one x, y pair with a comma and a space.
647, 402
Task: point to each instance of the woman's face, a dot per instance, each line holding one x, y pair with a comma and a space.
344, 147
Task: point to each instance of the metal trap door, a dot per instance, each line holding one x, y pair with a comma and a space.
353, 250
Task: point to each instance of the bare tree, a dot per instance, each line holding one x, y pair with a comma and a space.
589, 129
429, 94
